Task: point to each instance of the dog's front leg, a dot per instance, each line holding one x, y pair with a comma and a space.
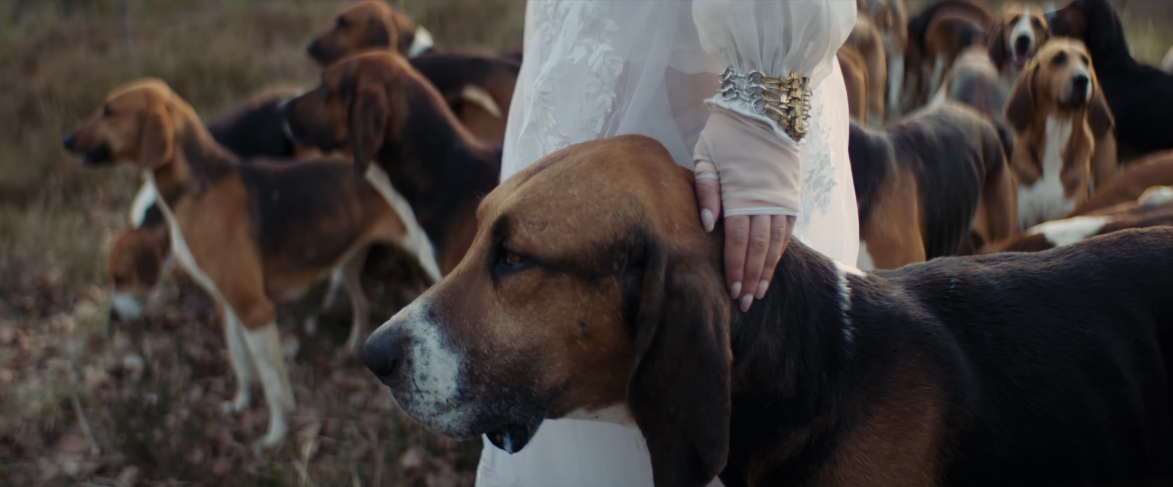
239, 358
360, 305
264, 345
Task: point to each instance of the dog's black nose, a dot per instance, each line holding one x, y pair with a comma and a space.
383, 353
1022, 44
312, 47
1079, 83
68, 141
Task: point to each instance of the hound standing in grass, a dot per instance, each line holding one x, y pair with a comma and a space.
246, 233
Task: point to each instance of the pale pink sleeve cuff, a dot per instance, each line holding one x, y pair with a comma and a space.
758, 168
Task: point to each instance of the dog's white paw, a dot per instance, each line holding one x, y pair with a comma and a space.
237, 404
274, 437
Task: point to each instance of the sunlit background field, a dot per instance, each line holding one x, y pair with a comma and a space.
86, 403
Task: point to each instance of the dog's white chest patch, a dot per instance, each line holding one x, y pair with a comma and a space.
1044, 200
1070, 230
142, 201
422, 42
181, 251
416, 241
865, 260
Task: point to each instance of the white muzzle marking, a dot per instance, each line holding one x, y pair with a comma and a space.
429, 389
1022, 29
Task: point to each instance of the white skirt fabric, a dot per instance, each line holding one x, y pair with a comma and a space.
598, 69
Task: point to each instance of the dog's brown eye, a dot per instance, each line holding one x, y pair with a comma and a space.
1085, 59
513, 258
1038, 24
341, 23
119, 280
511, 262
106, 112
1059, 59
1015, 19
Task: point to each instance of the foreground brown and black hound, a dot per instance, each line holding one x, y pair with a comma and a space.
591, 286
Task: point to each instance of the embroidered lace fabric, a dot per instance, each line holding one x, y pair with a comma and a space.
601, 68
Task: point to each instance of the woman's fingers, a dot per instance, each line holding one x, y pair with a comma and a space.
780, 229
736, 244
708, 194
755, 258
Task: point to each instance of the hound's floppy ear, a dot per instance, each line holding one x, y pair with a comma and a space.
1020, 108
1099, 114
679, 389
368, 120
997, 42
405, 32
382, 32
156, 139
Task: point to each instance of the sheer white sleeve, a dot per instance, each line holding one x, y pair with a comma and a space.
774, 38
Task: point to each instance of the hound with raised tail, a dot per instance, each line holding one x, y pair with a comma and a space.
246, 233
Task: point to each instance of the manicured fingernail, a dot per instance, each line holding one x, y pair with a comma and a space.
707, 219
762, 286
735, 290
745, 302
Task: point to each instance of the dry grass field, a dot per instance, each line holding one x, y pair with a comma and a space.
86, 403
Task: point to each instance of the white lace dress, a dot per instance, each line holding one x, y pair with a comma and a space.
601, 68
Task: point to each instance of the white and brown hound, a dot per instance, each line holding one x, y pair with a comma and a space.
1015, 37
936, 36
378, 105
1056, 118
890, 19
1136, 178
1153, 208
248, 234
933, 184
478, 88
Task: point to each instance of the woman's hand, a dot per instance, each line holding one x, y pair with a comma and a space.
753, 243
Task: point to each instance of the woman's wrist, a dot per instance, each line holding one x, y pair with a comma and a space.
758, 170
